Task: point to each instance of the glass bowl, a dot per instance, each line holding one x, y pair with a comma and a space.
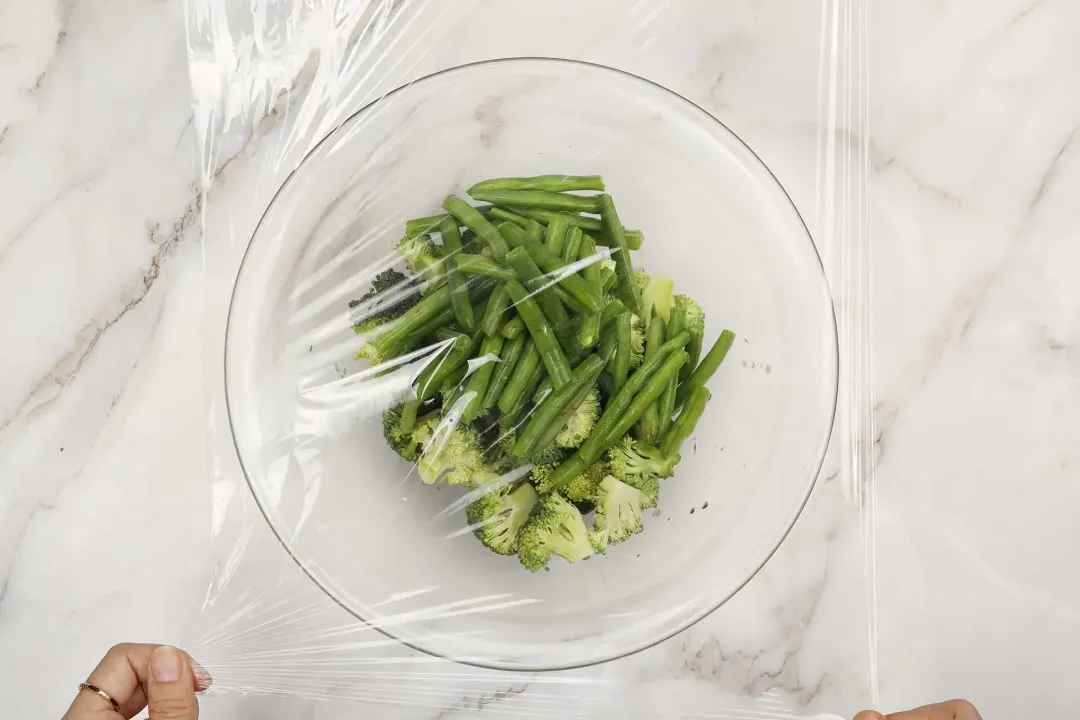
306, 419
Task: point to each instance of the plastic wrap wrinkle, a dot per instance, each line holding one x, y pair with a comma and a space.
349, 574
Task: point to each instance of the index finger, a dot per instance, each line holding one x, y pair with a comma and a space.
952, 710
122, 673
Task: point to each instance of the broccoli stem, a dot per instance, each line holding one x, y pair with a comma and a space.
514, 327
572, 246
408, 414
459, 291
684, 425
555, 236
471, 218
536, 199
649, 428
422, 225
597, 443
634, 238
543, 336
666, 404
563, 417
511, 353
481, 376
549, 409
493, 317
527, 363
624, 267
709, 365
480, 265
620, 364
553, 265
509, 419
548, 183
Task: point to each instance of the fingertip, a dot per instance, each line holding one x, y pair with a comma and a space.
167, 664
203, 679
869, 715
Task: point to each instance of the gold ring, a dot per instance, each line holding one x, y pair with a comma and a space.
101, 693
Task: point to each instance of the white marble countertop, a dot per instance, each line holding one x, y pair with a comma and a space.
974, 161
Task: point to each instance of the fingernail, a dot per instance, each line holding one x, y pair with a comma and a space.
167, 664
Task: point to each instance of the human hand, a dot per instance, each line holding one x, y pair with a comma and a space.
136, 676
952, 710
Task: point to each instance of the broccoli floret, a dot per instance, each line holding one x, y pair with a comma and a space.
618, 512
391, 294
552, 454
422, 256
583, 488
658, 297
452, 454
695, 316
631, 458
637, 342
642, 279
581, 422
404, 443
539, 474
497, 516
555, 527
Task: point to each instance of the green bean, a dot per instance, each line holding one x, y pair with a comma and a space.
501, 214
481, 265
451, 356
530, 275
648, 395
572, 246
634, 238
563, 418
509, 418
508, 358
709, 365
572, 303
471, 218
554, 266
481, 376
536, 199
554, 359
527, 363
684, 425
459, 292
408, 414
549, 183
446, 334
649, 428
589, 334
492, 319
514, 327
547, 411
534, 230
620, 365
542, 389
697, 340
609, 280
420, 226
624, 266
666, 404
555, 237
612, 310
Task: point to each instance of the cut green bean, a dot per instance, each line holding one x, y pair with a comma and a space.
666, 403
612, 310
684, 425
535, 282
624, 266
408, 414
705, 370
422, 225
697, 340
620, 365
481, 376
649, 428
634, 238
572, 246
563, 418
481, 265
514, 327
647, 397
471, 218
455, 353
609, 280
548, 183
572, 303
543, 336
502, 214
492, 320
534, 230
555, 236
589, 334
527, 363
459, 291
537, 199
553, 265
548, 410
511, 352
509, 418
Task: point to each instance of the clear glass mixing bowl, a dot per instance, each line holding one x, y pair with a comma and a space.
306, 417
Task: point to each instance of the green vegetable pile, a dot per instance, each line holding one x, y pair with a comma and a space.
559, 379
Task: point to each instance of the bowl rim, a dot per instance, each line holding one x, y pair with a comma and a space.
667, 634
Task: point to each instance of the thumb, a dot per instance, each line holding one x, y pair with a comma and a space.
170, 688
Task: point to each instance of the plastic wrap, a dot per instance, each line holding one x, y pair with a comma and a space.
346, 572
